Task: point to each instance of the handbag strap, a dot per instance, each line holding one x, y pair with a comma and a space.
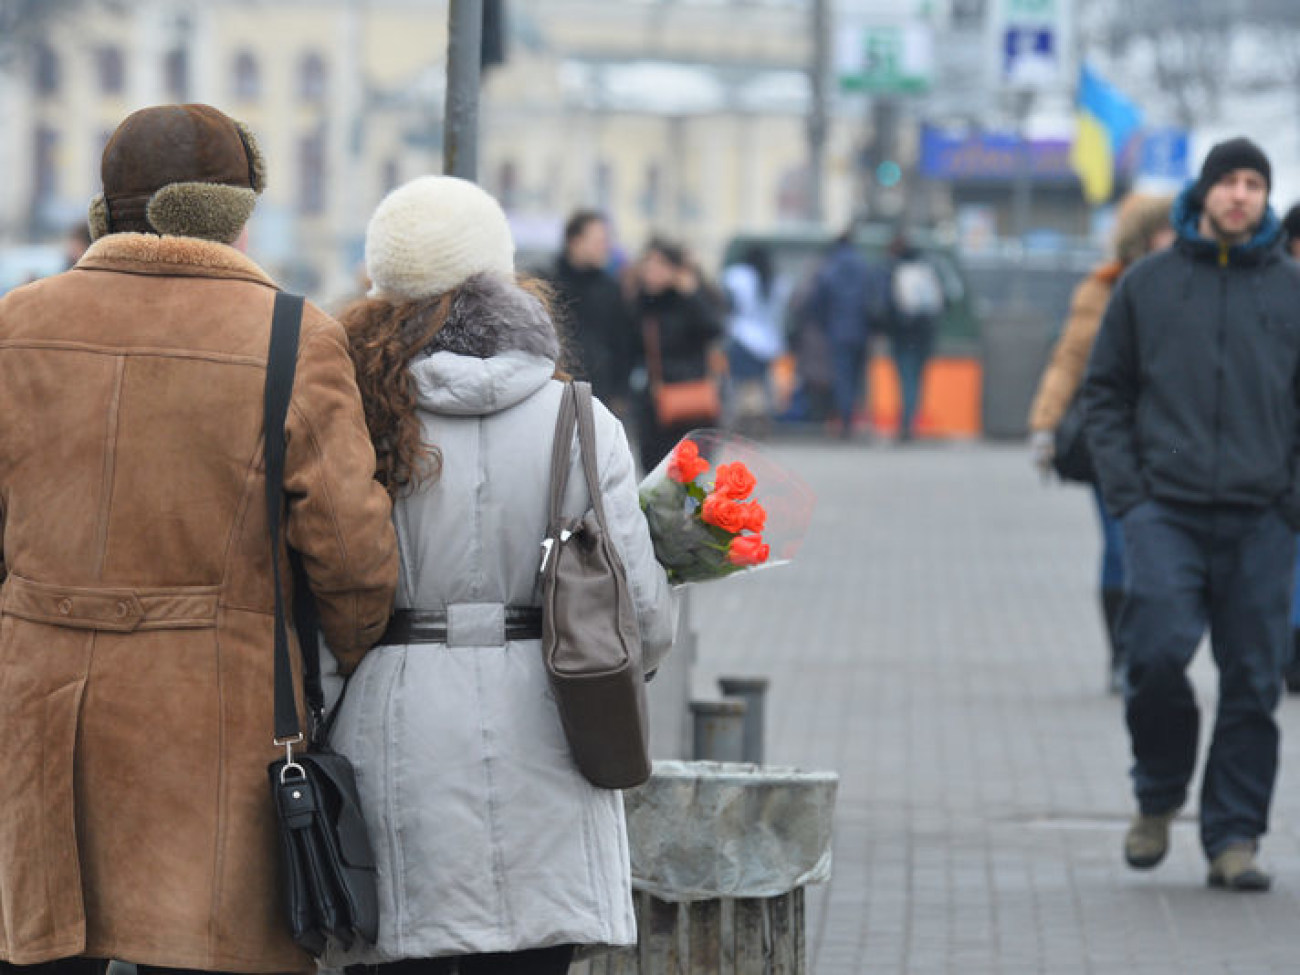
575, 409
281, 363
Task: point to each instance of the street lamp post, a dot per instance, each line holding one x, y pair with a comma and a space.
464, 45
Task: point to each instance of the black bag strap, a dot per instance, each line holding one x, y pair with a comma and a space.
282, 356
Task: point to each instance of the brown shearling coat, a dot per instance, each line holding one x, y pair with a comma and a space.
1069, 360
136, 610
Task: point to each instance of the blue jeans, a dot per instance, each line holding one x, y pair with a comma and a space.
1112, 545
848, 378
910, 359
1228, 568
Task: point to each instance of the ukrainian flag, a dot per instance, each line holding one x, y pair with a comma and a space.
1106, 119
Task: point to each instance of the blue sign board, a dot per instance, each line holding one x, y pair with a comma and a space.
1164, 154
992, 157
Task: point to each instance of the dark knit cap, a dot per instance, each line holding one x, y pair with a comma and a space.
1239, 153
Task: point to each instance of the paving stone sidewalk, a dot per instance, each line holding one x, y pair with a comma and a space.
939, 644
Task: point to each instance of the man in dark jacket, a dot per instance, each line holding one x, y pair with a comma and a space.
593, 313
1193, 416
848, 297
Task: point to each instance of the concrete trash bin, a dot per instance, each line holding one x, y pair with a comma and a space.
721, 853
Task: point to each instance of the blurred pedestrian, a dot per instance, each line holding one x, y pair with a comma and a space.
916, 301
1193, 419
136, 728
1141, 227
592, 313
494, 854
848, 299
756, 303
676, 323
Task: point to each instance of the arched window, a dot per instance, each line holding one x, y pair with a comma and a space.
110, 70
247, 80
45, 70
312, 78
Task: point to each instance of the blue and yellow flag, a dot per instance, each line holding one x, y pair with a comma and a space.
1106, 120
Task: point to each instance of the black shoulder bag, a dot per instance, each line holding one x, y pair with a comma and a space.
330, 883
1071, 458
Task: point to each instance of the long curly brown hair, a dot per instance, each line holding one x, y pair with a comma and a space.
383, 337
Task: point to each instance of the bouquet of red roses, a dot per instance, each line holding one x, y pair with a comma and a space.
708, 521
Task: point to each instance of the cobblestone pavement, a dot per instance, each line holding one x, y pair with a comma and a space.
938, 644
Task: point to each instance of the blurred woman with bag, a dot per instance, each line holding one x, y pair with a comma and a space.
494, 853
1142, 226
675, 326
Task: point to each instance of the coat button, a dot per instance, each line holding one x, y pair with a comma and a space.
123, 607
65, 607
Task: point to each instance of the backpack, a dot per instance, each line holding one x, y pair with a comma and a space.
916, 288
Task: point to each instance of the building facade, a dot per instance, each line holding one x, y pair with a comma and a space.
686, 118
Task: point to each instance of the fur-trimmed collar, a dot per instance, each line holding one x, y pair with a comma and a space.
171, 255
491, 315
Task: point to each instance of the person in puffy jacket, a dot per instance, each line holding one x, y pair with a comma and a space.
1193, 419
494, 853
1141, 227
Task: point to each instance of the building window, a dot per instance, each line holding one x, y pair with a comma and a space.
247, 77
311, 173
792, 193
312, 79
652, 193
45, 146
392, 175
508, 184
176, 74
110, 70
45, 73
604, 186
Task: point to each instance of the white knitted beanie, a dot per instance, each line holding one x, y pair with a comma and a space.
431, 234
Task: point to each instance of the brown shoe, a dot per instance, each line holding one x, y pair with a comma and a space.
1147, 840
1235, 869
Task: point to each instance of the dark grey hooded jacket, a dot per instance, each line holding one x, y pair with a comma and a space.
1193, 389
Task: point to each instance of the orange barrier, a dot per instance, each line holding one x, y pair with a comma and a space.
950, 397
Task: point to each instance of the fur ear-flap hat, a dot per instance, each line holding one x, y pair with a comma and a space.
185, 170
434, 233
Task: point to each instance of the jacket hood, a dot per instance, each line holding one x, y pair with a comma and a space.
497, 347
1186, 220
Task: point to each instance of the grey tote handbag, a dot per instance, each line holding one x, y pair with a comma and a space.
590, 639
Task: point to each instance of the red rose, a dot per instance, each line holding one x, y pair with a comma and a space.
755, 517
748, 550
685, 463
734, 481
724, 513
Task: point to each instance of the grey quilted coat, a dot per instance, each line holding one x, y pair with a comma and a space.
487, 837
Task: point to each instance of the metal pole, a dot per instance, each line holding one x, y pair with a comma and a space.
460, 126
817, 124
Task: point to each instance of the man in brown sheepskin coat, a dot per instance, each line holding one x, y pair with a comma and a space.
136, 608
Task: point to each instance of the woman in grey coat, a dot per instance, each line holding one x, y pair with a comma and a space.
494, 853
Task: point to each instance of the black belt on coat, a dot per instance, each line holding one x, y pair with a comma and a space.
407, 626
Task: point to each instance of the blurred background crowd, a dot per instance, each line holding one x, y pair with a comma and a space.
718, 147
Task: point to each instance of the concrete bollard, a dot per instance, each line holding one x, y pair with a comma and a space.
751, 690
719, 731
